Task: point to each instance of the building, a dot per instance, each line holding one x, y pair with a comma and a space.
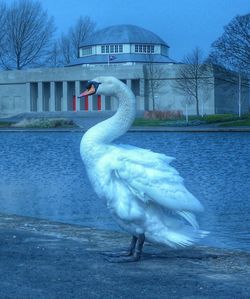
134, 55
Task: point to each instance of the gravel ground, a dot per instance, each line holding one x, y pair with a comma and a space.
42, 259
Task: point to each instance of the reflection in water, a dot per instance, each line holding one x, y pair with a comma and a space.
42, 175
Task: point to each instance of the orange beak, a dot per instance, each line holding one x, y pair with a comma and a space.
88, 92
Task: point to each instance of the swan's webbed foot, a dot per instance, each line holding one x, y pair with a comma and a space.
117, 254
123, 259
132, 255
124, 253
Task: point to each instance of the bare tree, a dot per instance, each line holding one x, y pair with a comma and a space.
192, 76
54, 56
28, 33
71, 42
153, 73
66, 49
232, 49
83, 28
2, 25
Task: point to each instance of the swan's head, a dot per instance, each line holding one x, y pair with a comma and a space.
102, 85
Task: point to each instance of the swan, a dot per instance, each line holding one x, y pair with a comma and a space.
145, 195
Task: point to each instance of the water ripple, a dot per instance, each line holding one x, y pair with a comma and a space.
42, 175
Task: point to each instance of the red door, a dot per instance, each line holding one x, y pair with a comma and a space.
99, 103
86, 104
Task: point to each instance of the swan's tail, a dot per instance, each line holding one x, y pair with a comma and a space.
175, 233
177, 238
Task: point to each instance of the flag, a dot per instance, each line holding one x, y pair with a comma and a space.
111, 58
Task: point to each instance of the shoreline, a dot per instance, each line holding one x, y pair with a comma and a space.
75, 231
136, 129
46, 259
83, 121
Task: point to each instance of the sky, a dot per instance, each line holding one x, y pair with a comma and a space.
182, 24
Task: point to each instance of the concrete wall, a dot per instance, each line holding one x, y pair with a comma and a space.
227, 94
13, 97
169, 97
52, 90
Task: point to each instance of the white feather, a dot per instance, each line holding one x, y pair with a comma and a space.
143, 192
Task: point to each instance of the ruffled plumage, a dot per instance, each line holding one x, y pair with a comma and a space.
144, 193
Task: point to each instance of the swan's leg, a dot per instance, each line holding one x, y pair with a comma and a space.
132, 245
128, 252
140, 243
136, 254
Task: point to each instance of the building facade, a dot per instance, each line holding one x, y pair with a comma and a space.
134, 55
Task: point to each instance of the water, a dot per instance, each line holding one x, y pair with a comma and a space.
42, 175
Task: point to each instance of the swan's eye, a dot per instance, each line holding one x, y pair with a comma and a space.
89, 85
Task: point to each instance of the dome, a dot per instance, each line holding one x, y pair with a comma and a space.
123, 44
123, 34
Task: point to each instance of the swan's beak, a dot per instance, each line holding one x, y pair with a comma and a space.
88, 91
91, 88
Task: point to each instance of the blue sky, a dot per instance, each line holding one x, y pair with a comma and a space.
183, 24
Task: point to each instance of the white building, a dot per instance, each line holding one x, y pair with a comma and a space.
134, 55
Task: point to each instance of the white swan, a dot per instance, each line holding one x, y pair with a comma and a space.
143, 192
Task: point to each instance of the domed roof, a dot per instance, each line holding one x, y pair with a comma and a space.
123, 34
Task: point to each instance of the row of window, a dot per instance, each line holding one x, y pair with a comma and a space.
107, 49
119, 49
144, 48
112, 49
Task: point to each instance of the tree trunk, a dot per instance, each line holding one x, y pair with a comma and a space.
197, 106
239, 95
197, 97
153, 94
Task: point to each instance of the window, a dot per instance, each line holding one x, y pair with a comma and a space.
86, 51
144, 48
120, 48
111, 49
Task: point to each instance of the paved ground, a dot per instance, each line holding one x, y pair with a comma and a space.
84, 120
41, 259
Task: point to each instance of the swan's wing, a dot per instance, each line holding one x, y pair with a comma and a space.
149, 176
143, 156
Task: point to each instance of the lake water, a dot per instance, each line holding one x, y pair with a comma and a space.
42, 175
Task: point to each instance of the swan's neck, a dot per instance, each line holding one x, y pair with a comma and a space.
115, 126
